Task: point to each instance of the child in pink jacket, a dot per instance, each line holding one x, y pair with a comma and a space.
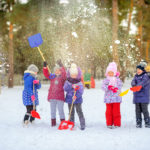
112, 85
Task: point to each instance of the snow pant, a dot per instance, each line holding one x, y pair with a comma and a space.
79, 112
141, 108
28, 113
60, 105
113, 115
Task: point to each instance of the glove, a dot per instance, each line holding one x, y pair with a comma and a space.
45, 64
74, 97
115, 90
52, 76
36, 82
59, 62
33, 98
110, 87
75, 87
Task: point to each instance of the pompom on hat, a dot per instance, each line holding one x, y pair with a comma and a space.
73, 69
111, 67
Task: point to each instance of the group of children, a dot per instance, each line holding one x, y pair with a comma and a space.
66, 81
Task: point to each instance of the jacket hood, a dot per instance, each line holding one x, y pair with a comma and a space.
28, 73
79, 73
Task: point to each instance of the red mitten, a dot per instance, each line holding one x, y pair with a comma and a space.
36, 82
115, 90
75, 87
33, 98
110, 87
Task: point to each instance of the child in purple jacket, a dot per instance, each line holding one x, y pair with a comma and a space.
112, 85
141, 98
74, 79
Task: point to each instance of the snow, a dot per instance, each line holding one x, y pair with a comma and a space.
117, 42
23, 1
75, 34
50, 20
64, 2
95, 137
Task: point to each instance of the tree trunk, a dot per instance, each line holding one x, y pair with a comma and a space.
139, 40
124, 72
130, 16
11, 57
147, 51
115, 31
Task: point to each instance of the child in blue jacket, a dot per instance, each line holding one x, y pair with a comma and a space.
30, 93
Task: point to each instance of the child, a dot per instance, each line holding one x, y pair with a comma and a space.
112, 85
74, 79
30, 95
141, 98
56, 95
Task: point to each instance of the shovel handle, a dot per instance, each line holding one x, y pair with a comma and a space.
72, 105
43, 57
34, 100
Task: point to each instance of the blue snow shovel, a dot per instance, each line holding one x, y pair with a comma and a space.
35, 41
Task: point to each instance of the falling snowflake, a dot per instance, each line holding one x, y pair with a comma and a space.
50, 20
63, 2
75, 34
23, 1
117, 42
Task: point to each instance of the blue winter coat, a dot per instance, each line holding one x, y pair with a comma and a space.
143, 95
28, 90
70, 92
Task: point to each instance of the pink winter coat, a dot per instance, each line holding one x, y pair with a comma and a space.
56, 90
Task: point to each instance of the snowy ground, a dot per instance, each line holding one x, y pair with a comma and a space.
13, 136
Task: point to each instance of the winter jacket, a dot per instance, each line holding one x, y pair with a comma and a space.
143, 95
28, 89
70, 92
56, 90
109, 96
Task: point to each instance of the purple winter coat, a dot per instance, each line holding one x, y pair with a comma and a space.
70, 91
109, 96
143, 95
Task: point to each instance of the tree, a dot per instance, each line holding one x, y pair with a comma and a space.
115, 31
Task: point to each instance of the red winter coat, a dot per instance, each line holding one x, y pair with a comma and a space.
56, 90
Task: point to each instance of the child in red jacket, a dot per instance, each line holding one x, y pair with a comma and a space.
56, 92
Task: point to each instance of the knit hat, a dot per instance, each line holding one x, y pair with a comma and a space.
56, 67
73, 69
33, 68
140, 67
143, 63
111, 67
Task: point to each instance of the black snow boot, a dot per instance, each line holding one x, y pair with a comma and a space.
139, 123
147, 123
82, 123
